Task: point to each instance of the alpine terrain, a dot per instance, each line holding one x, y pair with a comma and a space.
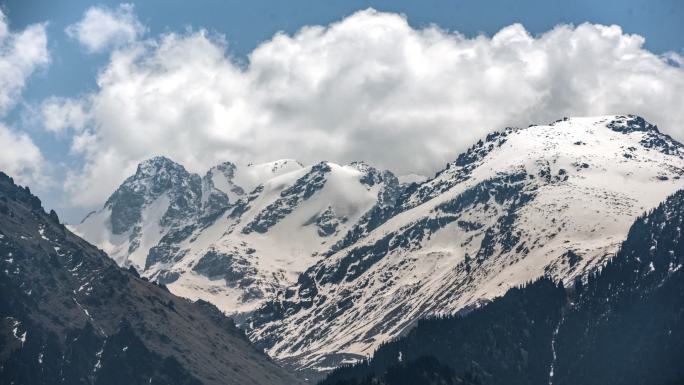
70, 315
329, 261
236, 235
623, 325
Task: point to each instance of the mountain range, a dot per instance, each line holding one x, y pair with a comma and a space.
322, 264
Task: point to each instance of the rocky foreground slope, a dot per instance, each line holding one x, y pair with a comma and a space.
70, 315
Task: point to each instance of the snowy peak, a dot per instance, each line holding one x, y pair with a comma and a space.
370, 175
160, 202
239, 233
238, 181
156, 176
268, 170
158, 166
153, 178
652, 138
631, 123
540, 143
647, 134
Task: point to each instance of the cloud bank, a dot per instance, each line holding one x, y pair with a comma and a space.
369, 87
102, 28
21, 54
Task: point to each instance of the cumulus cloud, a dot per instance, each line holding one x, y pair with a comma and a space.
102, 28
369, 87
20, 158
60, 114
21, 53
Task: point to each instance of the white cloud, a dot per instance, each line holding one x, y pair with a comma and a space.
674, 58
102, 28
369, 87
21, 53
20, 158
60, 114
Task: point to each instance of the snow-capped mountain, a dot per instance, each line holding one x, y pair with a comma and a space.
338, 259
236, 235
553, 200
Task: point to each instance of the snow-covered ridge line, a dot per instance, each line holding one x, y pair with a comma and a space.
553, 200
238, 234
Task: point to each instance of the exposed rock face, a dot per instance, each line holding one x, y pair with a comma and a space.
327, 222
226, 266
153, 178
289, 199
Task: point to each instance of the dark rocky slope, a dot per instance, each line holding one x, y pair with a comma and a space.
69, 315
626, 325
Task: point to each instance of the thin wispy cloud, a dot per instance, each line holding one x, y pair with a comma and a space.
61, 114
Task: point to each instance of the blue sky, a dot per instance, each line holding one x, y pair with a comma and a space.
238, 27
